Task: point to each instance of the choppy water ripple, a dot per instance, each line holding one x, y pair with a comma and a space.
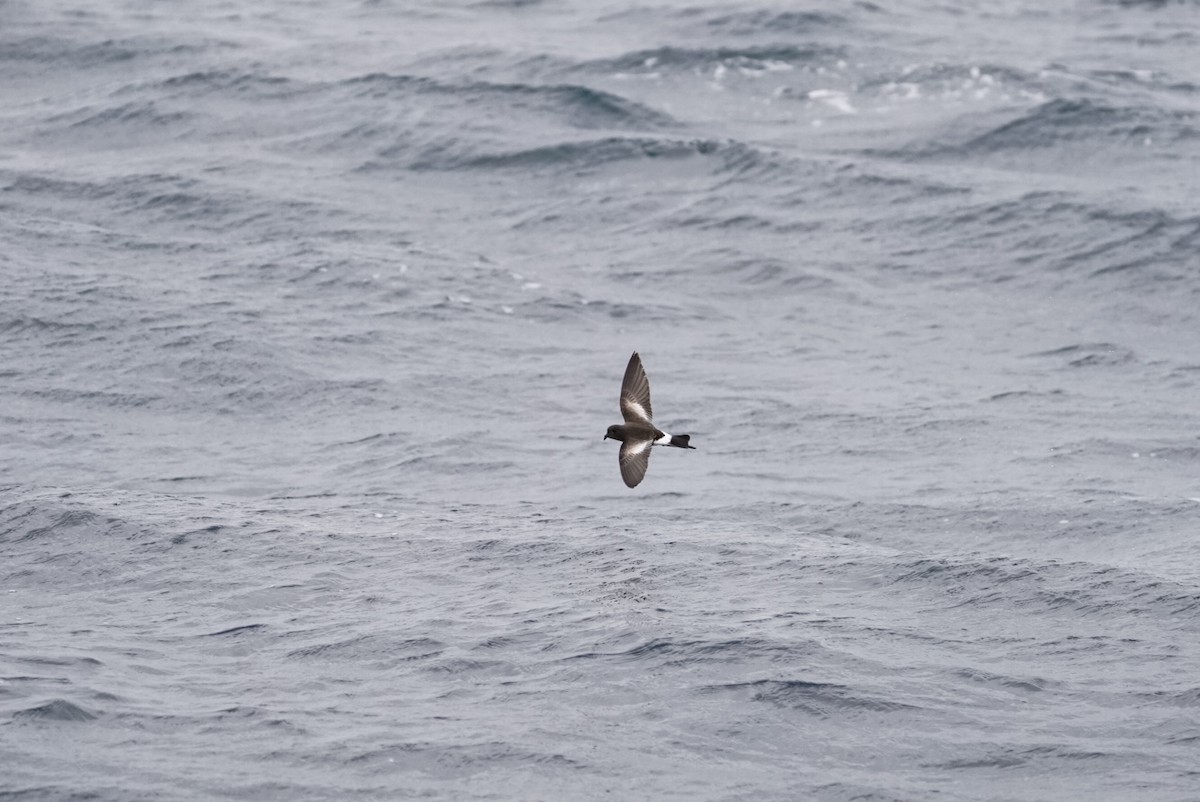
312, 320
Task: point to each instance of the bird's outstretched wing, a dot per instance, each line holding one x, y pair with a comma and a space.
635, 458
635, 394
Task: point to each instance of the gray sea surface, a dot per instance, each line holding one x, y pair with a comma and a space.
313, 316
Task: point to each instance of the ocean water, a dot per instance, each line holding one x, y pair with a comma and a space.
313, 316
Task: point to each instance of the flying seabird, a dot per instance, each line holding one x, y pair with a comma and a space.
637, 434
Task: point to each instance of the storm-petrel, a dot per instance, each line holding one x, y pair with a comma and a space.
637, 434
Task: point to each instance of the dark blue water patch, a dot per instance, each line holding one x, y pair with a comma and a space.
427, 123
1011, 758
773, 23
155, 199
1084, 355
213, 370
49, 332
1187, 697
198, 106
1187, 454
575, 106
717, 21
1038, 397
73, 55
1007, 683
1009, 220
1088, 244
30, 522
66, 397
1122, 451
1148, 5
236, 632
55, 710
573, 157
882, 188
231, 83
853, 792
602, 309
464, 461
371, 647
381, 441
687, 60
30, 185
44, 663
145, 200
239, 717
453, 762
774, 273
125, 120
821, 699
723, 219
1084, 589
476, 668
556, 155
508, 4
1154, 247
1100, 648
1074, 121
56, 530
670, 652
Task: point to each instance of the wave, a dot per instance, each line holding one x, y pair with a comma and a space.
717, 21
816, 698
422, 123
956, 86
1153, 5
1031, 586
56, 710
669, 60
70, 54
59, 521
244, 84
124, 116
574, 155
747, 23
1153, 247
1063, 122
1148, 249
1085, 120
361, 648
1082, 355
147, 199
1009, 757
569, 156
688, 652
574, 105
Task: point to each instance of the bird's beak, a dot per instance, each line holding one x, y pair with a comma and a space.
605, 437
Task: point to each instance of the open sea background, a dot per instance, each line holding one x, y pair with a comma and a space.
313, 315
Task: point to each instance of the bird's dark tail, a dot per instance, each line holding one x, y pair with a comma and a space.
681, 440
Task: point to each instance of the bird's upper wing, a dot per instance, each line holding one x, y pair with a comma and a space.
635, 458
635, 393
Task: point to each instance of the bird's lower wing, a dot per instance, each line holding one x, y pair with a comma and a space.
635, 458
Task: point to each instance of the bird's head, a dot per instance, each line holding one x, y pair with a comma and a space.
614, 432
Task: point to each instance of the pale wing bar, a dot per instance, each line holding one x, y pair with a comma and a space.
635, 393
635, 458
